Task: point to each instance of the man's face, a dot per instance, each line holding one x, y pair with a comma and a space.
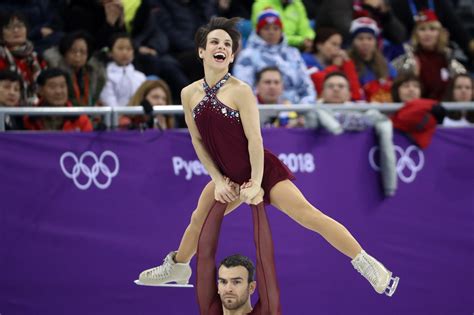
234, 288
336, 90
54, 92
270, 87
9, 93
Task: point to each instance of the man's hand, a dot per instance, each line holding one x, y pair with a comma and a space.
46, 31
147, 51
226, 191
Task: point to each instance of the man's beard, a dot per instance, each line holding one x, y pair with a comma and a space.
235, 303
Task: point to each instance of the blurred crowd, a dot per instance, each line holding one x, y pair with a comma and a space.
68, 53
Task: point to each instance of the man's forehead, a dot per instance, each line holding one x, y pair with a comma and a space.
271, 74
233, 272
6, 81
336, 79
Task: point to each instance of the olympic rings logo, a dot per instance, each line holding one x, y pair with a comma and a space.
411, 159
91, 172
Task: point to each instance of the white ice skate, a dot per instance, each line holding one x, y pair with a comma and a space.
378, 276
170, 271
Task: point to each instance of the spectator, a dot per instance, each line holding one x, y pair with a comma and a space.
86, 75
122, 78
267, 47
408, 12
327, 56
17, 54
340, 13
429, 57
233, 8
180, 19
406, 87
103, 18
153, 47
294, 19
460, 89
336, 91
150, 93
269, 90
375, 73
53, 93
43, 17
269, 86
10, 93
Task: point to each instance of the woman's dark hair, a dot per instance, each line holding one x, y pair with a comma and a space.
68, 40
324, 33
400, 80
7, 17
218, 23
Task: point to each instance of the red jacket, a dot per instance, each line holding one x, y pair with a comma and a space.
81, 123
417, 121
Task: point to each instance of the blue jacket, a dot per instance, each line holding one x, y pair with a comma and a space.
298, 87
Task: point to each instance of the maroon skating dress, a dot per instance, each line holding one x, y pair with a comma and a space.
223, 135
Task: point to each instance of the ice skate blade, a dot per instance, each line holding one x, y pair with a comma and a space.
169, 285
392, 288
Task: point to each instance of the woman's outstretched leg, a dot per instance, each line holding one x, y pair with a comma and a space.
289, 199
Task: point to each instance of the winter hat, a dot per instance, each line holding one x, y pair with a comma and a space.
268, 16
364, 25
427, 15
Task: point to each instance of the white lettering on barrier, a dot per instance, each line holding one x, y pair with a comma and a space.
296, 162
190, 168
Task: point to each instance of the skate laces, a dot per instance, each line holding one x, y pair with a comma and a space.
368, 270
162, 271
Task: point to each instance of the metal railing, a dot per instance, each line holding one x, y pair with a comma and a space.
111, 114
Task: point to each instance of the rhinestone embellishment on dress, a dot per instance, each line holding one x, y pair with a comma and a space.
213, 103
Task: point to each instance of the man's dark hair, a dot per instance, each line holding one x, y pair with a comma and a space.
68, 40
335, 74
218, 23
240, 260
49, 73
259, 74
401, 79
7, 75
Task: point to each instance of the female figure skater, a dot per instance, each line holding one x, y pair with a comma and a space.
223, 120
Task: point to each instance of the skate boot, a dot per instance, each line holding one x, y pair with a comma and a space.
378, 276
169, 271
